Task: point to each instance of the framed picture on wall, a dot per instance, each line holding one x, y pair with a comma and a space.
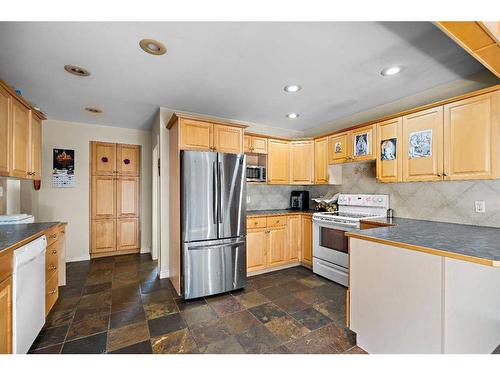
63, 168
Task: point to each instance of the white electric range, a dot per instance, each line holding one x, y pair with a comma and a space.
330, 245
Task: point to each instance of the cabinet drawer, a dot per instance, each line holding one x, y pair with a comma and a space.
256, 222
51, 260
51, 292
52, 234
276, 221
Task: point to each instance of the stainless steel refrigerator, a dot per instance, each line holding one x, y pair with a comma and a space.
213, 222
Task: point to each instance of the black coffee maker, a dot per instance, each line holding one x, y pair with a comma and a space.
299, 200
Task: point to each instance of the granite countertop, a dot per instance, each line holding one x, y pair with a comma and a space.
287, 211
466, 242
12, 234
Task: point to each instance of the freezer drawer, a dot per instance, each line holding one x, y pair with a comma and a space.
212, 267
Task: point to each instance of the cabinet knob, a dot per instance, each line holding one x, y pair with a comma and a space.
126, 161
104, 159
54, 252
53, 291
53, 235
52, 268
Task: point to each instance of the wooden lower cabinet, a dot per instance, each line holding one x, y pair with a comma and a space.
294, 238
256, 249
6, 316
276, 245
307, 240
103, 236
127, 234
51, 292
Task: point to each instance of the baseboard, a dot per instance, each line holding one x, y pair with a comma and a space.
78, 259
164, 274
145, 250
277, 268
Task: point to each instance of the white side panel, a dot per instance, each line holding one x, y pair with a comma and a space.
395, 298
472, 307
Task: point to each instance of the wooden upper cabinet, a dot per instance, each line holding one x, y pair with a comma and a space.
388, 150
104, 158
302, 162
127, 197
321, 161
307, 239
127, 234
5, 129
256, 145
20, 141
195, 135
228, 139
128, 159
36, 148
294, 247
103, 236
256, 249
362, 147
423, 145
471, 132
278, 162
103, 197
338, 148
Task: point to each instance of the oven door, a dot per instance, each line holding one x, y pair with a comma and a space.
330, 243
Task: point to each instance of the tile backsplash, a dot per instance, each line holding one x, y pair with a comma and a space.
265, 197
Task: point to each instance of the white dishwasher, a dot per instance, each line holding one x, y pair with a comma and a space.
28, 289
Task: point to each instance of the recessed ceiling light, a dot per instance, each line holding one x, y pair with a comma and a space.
153, 47
76, 70
292, 115
390, 71
93, 110
292, 88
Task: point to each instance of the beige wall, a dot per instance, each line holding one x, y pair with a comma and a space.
72, 204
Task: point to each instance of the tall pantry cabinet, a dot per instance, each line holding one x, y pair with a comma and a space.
115, 199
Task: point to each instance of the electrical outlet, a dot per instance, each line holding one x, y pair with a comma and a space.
1, 191
248, 199
480, 206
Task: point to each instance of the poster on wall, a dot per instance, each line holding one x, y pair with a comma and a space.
388, 149
361, 144
420, 144
63, 168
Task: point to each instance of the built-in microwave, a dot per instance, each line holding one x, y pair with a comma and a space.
256, 173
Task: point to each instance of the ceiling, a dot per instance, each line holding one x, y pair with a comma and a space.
230, 70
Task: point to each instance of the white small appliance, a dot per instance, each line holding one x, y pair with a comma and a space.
330, 245
28, 294
256, 173
16, 219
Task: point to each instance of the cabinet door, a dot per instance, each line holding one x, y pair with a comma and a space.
363, 140
471, 138
6, 316
228, 139
423, 145
276, 245
195, 135
307, 239
388, 150
256, 249
103, 236
103, 197
20, 150
5, 129
301, 162
127, 197
36, 148
104, 159
278, 162
259, 145
127, 234
337, 148
247, 143
294, 238
321, 161
128, 160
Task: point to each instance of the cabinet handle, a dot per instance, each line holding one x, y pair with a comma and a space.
444, 174
53, 235
53, 291
54, 252
256, 223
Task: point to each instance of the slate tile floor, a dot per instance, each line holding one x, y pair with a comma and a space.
118, 305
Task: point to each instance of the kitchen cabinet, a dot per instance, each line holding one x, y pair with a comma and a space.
35, 148
103, 237
321, 161
471, 133
276, 246
5, 130
127, 197
255, 144
278, 163
128, 160
355, 145
103, 197
423, 145
294, 238
389, 151
228, 139
103, 159
256, 249
302, 162
20, 141
127, 234
6, 316
337, 148
307, 240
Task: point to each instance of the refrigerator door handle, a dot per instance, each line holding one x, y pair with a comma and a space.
205, 247
219, 190
215, 192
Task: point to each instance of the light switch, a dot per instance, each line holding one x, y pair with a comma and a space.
480, 206
248, 199
1, 191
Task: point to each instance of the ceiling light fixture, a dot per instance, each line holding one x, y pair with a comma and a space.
76, 70
93, 110
153, 47
390, 71
292, 115
292, 88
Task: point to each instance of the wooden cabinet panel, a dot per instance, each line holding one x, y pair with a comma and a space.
255, 145
103, 197
307, 239
256, 249
294, 238
128, 159
471, 138
276, 246
276, 221
228, 139
388, 150
127, 234
421, 162
256, 222
338, 148
51, 293
278, 162
103, 236
321, 161
51, 260
20, 144
6, 316
127, 197
104, 159
36, 148
5, 129
302, 162
363, 140
195, 135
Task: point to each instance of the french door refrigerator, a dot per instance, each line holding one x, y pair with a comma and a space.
213, 222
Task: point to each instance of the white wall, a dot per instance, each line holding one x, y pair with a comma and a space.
72, 204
